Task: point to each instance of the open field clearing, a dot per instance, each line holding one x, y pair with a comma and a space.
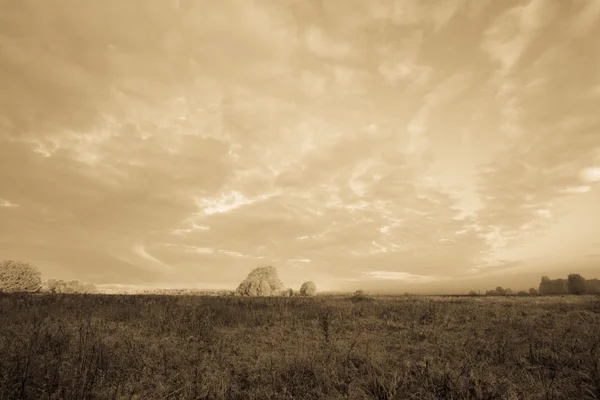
161, 347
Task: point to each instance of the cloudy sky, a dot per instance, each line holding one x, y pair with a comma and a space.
377, 144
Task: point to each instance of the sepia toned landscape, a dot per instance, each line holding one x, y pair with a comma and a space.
303, 199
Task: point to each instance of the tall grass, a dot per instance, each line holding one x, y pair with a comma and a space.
161, 347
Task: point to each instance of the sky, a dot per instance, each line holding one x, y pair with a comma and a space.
386, 145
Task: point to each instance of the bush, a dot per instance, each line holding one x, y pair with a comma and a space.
18, 276
308, 289
533, 292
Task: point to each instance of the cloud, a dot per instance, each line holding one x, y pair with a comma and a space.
576, 189
46, 71
590, 174
7, 204
586, 18
322, 46
513, 32
341, 233
140, 250
550, 141
401, 276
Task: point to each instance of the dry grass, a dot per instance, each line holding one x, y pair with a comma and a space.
161, 347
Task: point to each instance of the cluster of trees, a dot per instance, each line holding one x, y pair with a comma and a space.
60, 286
574, 284
264, 281
18, 276
500, 291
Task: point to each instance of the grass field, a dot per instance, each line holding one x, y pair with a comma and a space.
178, 347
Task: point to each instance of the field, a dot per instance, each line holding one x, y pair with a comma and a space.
186, 347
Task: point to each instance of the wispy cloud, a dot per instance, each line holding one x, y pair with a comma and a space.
586, 18
526, 20
7, 204
140, 250
401, 276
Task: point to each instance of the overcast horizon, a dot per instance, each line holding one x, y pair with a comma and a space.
386, 145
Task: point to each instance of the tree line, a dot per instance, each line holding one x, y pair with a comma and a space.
17, 276
574, 284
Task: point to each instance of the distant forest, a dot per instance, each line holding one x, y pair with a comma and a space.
573, 284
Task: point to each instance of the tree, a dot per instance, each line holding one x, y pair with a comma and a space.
261, 281
533, 292
308, 289
473, 293
576, 284
553, 286
18, 276
269, 274
592, 286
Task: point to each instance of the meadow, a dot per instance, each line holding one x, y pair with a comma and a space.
73, 346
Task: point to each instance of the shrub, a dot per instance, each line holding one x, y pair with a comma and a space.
308, 289
18, 276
